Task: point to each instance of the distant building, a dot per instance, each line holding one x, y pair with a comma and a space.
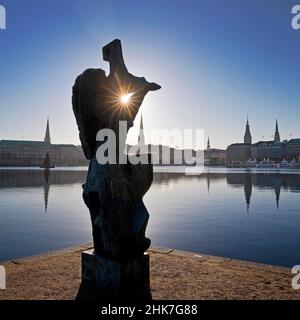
277, 135
269, 150
32, 153
162, 154
47, 135
292, 150
248, 136
241, 151
141, 138
214, 156
208, 144
273, 150
264, 150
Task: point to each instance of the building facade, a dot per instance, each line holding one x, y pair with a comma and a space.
241, 151
292, 150
214, 156
273, 150
238, 152
32, 153
268, 150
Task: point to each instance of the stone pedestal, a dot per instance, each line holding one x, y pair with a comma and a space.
111, 279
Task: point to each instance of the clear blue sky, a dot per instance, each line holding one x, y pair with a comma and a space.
215, 60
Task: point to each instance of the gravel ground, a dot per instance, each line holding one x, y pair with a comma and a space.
174, 275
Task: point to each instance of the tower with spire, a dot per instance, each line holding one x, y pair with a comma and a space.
277, 135
248, 136
141, 139
208, 144
47, 134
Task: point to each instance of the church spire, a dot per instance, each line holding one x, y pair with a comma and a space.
277, 135
141, 139
47, 135
247, 136
208, 144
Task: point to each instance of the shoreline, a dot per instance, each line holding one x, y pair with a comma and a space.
175, 274
176, 169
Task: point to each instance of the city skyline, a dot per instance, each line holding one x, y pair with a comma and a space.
137, 131
214, 66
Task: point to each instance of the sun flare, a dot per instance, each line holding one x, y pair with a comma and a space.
126, 98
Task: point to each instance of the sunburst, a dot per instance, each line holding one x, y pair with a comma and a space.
122, 97
126, 98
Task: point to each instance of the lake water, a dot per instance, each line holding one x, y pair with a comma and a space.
232, 213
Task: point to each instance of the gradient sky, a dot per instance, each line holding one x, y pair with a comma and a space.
215, 60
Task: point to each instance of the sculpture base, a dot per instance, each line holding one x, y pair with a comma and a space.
106, 279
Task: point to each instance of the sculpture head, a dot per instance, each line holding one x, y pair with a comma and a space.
100, 101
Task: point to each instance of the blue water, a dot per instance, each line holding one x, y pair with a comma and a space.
245, 215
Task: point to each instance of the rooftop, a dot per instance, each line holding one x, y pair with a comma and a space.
23, 142
32, 143
239, 144
294, 141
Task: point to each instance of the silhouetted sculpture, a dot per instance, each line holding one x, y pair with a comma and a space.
113, 192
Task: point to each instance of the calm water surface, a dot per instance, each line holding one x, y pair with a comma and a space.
237, 214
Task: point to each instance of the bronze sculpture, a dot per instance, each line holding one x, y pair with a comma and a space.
113, 192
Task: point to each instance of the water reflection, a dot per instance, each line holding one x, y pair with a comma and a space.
245, 181
39, 178
251, 216
46, 188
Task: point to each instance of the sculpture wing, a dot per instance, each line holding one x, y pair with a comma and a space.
84, 100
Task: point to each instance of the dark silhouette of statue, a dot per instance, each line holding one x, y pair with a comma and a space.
113, 192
